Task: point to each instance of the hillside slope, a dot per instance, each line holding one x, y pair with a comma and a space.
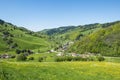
13, 37
66, 34
105, 41
63, 35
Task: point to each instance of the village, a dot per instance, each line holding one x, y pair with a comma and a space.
60, 52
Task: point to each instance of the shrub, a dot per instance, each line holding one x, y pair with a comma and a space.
9, 41
24, 50
92, 58
79, 58
59, 59
18, 51
69, 58
14, 45
21, 57
13, 56
31, 58
30, 51
100, 58
40, 59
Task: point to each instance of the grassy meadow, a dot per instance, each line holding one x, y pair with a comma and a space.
48, 69
59, 71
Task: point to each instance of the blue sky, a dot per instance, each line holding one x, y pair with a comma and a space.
44, 14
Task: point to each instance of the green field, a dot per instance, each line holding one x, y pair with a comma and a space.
59, 71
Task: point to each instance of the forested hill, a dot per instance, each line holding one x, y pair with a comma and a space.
13, 37
59, 30
73, 33
64, 29
105, 41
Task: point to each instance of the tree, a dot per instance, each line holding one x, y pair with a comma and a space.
101, 58
1, 22
31, 58
14, 45
18, 51
40, 59
9, 41
21, 57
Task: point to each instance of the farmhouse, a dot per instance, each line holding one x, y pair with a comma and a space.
5, 56
60, 54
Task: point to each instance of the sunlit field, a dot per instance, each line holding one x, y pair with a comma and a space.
59, 71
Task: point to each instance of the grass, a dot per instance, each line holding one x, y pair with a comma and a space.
2, 46
112, 59
74, 33
10, 69
31, 42
24, 40
59, 71
49, 57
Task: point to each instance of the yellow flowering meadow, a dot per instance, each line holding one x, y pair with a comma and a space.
60, 71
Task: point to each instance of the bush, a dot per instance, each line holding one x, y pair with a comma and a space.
31, 58
92, 58
14, 45
69, 58
21, 57
79, 58
61, 58
85, 59
18, 51
13, 56
40, 59
100, 58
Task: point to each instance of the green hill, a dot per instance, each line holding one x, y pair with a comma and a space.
13, 37
105, 41
63, 35
70, 32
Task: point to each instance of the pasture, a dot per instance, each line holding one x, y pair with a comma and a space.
59, 71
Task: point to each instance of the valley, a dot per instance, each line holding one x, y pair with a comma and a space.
86, 52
